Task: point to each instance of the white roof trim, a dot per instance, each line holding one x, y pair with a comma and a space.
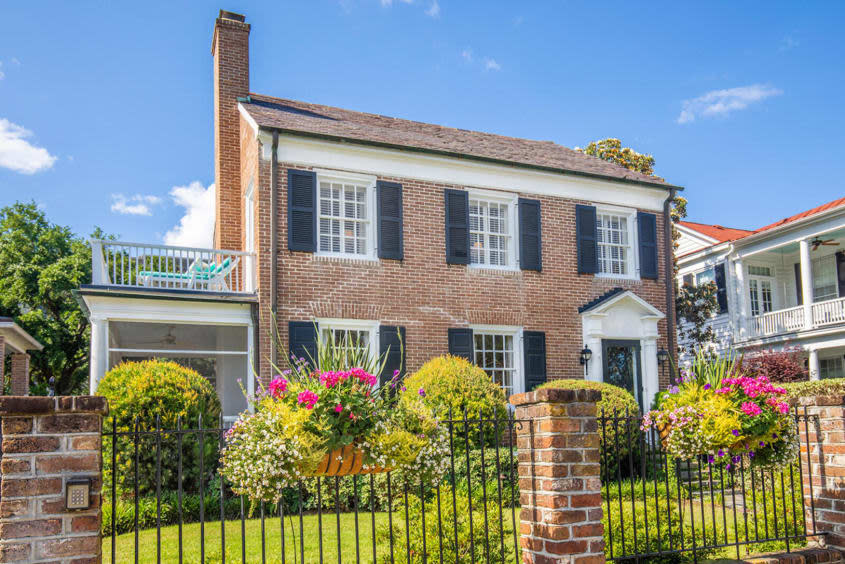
604, 307
694, 233
17, 338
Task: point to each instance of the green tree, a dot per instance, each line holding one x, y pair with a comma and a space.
41, 263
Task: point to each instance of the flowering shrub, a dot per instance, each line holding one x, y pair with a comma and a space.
734, 418
305, 415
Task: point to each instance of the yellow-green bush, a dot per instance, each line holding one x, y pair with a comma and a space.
454, 385
826, 387
147, 390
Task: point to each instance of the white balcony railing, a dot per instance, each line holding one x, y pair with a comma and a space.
829, 312
139, 265
775, 322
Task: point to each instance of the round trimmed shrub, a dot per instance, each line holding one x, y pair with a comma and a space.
454, 385
615, 436
158, 389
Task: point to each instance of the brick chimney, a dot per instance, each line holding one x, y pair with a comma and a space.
230, 48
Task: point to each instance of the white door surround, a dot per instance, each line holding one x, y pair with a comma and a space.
624, 316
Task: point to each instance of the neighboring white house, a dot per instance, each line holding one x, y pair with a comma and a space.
782, 285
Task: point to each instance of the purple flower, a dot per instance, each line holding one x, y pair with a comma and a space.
403, 388
750, 454
727, 467
422, 393
735, 459
721, 453
774, 435
710, 459
735, 432
706, 386
762, 443
674, 390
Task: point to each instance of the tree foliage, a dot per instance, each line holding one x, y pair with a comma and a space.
41, 263
697, 305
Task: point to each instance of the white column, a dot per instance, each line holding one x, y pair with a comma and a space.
807, 284
99, 353
815, 372
742, 313
650, 371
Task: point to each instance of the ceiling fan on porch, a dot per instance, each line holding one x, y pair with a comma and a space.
816, 243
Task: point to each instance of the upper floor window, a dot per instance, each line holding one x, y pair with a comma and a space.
705, 276
825, 280
615, 244
344, 226
491, 231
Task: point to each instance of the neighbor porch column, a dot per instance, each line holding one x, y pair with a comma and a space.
815, 369
99, 353
741, 316
806, 283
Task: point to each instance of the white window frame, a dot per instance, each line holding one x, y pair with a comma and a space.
832, 359
760, 279
816, 264
633, 243
512, 201
355, 325
708, 269
369, 183
518, 357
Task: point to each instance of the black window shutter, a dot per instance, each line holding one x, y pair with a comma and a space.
530, 242
647, 236
389, 344
586, 233
799, 291
535, 358
457, 227
687, 279
460, 343
302, 210
390, 244
302, 339
721, 287
840, 272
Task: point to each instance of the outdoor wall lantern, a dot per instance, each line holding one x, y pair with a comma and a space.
586, 355
662, 356
77, 493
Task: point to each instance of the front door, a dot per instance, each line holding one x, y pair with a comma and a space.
622, 366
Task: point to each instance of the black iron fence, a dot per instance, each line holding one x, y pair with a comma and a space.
164, 501
661, 509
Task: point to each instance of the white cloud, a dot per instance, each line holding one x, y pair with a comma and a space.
491, 64
134, 205
467, 55
722, 102
196, 227
2, 74
433, 10
18, 154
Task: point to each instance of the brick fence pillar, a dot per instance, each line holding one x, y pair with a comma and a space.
559, 484
823, 445
19, 375
46, 442
2, 364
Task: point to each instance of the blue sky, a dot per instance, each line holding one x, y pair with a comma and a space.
106, 108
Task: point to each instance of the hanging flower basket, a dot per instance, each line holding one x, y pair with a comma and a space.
345, 461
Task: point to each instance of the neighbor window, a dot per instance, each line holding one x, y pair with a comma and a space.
831, 367
706, 276
495, 353
615, 244
825, 280
491, 232
761, 295
345, 226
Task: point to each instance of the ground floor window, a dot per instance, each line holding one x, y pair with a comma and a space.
496, 352
354, 336
831, 367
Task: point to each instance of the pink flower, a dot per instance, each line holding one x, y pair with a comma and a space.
338, 408
783, 407
278, 386
307, 398
750, 408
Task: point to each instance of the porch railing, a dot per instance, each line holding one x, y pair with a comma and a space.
774, 322
829, 312
139, 265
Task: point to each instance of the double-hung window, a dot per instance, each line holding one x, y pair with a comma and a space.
831, 367
497, 352
492, 224
825, 281
616, 256
356, 338
345, 225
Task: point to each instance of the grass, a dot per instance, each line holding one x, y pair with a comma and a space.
147, 541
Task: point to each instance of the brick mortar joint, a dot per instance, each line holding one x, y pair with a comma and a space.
40, 406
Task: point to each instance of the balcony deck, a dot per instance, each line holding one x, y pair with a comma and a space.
824, 314
118, 264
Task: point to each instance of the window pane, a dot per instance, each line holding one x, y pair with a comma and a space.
613, 244
494, 353
489, 232
343, 213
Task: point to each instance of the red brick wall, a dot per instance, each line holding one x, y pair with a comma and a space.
428, 296
230, 47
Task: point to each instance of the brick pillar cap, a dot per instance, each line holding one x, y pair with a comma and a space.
555, 395
40, 405
825, 399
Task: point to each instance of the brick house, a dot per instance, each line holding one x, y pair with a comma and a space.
514, 253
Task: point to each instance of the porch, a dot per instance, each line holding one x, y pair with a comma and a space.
797, 286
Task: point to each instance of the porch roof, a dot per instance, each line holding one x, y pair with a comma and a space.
16, 338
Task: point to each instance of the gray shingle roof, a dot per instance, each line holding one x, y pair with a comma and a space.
296, 117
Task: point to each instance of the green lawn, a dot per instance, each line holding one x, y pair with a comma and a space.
125, 545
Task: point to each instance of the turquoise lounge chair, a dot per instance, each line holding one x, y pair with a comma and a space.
208, 276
